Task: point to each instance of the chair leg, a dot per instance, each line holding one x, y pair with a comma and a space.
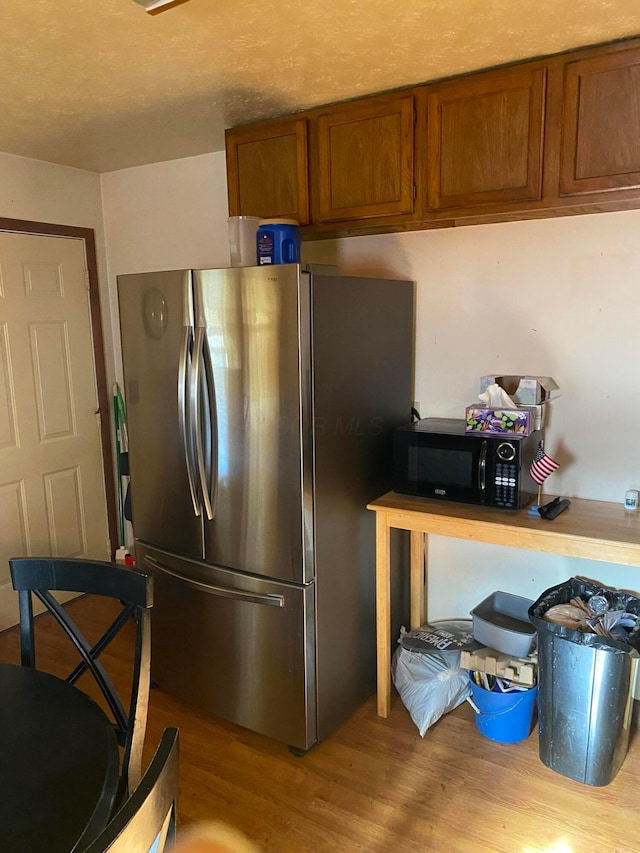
27, 645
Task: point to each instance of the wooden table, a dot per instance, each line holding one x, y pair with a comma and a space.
594, 530
58, 764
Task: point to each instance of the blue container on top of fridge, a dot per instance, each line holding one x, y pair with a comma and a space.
278, 241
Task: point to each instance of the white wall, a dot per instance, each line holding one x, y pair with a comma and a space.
44, 192
558, 297
164, 216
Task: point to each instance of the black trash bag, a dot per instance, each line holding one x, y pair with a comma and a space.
564, 592
444, 635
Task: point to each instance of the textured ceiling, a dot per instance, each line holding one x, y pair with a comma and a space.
103, 85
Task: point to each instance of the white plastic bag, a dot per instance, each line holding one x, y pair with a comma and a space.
429, 685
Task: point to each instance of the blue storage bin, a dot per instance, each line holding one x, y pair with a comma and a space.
278, 242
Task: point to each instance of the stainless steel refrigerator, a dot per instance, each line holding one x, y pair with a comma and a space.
260, 407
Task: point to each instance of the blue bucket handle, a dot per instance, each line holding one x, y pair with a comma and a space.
498, 713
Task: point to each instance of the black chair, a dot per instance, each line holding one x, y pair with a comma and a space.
147, 820
39, 576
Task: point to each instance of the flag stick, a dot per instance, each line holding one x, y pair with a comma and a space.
540, 484
533, 510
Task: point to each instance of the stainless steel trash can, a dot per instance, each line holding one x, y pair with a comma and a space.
585, 684
584, 708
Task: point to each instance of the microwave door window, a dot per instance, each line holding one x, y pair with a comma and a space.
441, 468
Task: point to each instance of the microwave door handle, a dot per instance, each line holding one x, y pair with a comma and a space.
482, 469
184, 368
196, 385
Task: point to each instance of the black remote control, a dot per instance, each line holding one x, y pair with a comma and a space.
555, 510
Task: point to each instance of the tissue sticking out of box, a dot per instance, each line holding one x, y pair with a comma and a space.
495, 397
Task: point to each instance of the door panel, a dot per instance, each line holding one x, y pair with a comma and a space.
484, 139
244, 650
365, 159
601, 124
267, 171
254, 345
52, 490
155, 317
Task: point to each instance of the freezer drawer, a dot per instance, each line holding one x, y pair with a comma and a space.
234, 645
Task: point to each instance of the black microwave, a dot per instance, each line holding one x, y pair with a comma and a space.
436, 458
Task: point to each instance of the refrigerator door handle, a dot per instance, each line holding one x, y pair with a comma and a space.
225, 592
212, 414
199, 368
183, 371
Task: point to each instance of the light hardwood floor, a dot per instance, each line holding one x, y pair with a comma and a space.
375, 784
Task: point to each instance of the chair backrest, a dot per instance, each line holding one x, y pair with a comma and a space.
147, 820
134, 590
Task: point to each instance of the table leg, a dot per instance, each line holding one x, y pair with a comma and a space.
383, 614
418, 582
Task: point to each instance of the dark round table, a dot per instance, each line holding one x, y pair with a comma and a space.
58, 764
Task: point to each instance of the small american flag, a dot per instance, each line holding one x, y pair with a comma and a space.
542, 465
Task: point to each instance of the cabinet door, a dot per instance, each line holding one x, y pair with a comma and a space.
601, 123
267, 170
484, 139
365, 159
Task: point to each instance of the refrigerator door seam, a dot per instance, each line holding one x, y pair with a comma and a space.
225, 592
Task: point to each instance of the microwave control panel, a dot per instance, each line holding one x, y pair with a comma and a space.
506, 485
506, 476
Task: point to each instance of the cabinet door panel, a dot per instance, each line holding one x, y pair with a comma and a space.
484, 140
267, 170
601, 124
365, 159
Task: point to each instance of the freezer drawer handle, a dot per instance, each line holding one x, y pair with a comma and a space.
273, 600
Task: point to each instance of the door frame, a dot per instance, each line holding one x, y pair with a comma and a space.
45, 229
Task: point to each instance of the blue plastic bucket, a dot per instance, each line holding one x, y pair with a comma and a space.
278, 242
505, 717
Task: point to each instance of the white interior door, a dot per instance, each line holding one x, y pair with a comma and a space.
52, 494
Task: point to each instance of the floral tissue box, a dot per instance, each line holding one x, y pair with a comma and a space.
498, 421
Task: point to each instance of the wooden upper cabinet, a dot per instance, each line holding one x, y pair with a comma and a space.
267, 170
535, 138
600, 149
483, 139
364, 164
